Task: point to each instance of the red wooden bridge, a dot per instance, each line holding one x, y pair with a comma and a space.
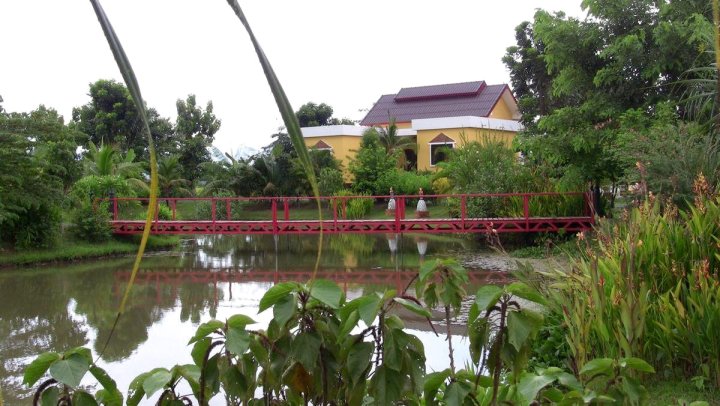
519, 213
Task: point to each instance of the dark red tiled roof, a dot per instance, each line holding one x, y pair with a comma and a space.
441, 139
451, 100
439, 91
321, 145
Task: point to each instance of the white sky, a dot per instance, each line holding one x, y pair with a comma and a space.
343, 53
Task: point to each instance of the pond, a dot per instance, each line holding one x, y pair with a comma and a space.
59, 307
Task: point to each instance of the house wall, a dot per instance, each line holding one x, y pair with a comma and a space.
501, 110
343, 149
460, 136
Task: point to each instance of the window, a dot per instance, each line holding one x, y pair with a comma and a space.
439, 152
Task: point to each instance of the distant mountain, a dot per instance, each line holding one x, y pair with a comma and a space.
242, 152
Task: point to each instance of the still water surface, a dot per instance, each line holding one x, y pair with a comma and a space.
60, 307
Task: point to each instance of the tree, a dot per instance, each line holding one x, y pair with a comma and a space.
30, 190
313, 115
195, 130
576, 78
106, 161
371, 163
170, 180
394, 144
111, 118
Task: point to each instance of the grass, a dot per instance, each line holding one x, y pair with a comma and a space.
67, 251
680, 393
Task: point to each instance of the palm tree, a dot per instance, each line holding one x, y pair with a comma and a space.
395, 144
230, 174
171, 182
106, 161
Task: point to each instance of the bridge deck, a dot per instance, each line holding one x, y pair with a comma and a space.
279, 213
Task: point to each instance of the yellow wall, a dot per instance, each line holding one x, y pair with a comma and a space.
460, 136
343, 149
501, 110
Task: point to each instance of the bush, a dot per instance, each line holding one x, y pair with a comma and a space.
371, 163
164, 212
93, 187
203, 209
330, 181
405, 183
91, 223
356, 208
32, 226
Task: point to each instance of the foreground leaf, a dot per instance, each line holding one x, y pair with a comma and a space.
275, 293
71, 370
38, 367
327, 292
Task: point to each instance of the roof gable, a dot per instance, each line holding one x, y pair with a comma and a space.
442, 139
450, 100
321, 145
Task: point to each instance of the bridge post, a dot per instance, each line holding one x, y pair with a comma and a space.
344, 208
213, 209
115, 208
526, 211
228, 211
286, 209
173, 207
398, 213
334, 204
274, 215
463, 210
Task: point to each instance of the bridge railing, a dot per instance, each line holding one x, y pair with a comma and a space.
338, 208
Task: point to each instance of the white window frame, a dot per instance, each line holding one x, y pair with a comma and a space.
438, 143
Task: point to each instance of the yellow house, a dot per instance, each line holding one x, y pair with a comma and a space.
438, 117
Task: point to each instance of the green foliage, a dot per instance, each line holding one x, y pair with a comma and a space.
91, 222
35, 226
203, 210
312, 115
649, 292
330, 181
405, 182
195, 130
98, 187
371, 163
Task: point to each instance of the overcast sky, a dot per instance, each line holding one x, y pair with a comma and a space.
343, 53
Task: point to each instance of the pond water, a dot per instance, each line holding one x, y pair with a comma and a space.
59, 307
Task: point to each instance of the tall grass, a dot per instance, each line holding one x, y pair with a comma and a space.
650, 290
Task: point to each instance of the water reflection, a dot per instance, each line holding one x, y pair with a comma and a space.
214, 276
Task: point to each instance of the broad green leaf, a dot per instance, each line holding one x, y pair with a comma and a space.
50, 396
386, 386
413, 307
435, 379
71, 370
38, 367
112, 395
524, 291
348, 324
239, 321
522, 325
456, 392
82, 351
637, 364
597, 366
206, 329
358, 360
156, 380
234, 383
393, 351
478, 336
306, 350
284, 309
135, 390
82, 398
327, 292
298, 378
275, 293
427, 268
487, 296
634, 390
237, 341
199, 350
394, 322
530, 385
369, 308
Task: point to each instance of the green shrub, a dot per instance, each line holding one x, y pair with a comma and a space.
164, 212
32, 226
355, 208
405, 183
91, 223
330, 181
203, 210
